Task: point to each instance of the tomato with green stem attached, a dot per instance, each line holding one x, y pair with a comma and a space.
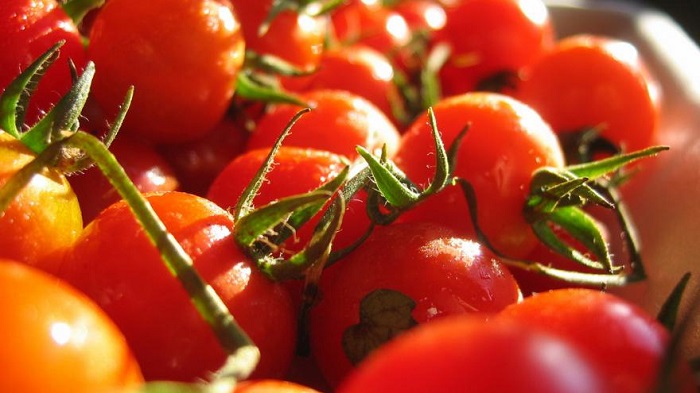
183, 60
29, 29
59, 333
400, 276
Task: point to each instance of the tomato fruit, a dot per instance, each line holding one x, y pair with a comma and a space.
624, 341
119, 268
591, 81
505, 143
442, 273
296, 37
272, 386
182, 59
464, 352
44, 219
58, 335
28, 30
491, 38
371, 24
338, 122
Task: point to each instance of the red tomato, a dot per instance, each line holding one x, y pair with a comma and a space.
625, 343
182, 58
593, 81
491, 38
144, 166
117, 266
506, 142
464, 353
296, 37
442, 273
422, 14
44, 218
371, 24
358, 69
28, 30
272, 386
58, 336
339, 122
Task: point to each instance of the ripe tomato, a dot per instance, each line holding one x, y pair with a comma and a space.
182, 58
506, 142
58, 336
441, 273
594, 81
422, 14
272, 386
491, 38
144, 166
465, 353
296, 37
359, 69
44, 218
117, 266
339, 122
370, 23
625, 343
28, 30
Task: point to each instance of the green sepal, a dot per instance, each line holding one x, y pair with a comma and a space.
15, 98
252, 88
596, 169
77, 9
668, 314
271, 64
394, 189
431, 92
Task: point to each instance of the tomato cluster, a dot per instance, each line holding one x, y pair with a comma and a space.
366, 196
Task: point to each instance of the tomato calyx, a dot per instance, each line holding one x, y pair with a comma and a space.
384, 314
77, 9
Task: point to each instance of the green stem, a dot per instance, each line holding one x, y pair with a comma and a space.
244, 355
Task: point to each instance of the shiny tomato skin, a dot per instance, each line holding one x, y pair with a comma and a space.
359, 69
146, 168
115, 264
338, 122
58, 334
182, 59
426, 15
295, 37
595, 81
505, 143
272, 386
371, 24
29, 29
464, 353
445, 274
625, 342
44, 219
488, 37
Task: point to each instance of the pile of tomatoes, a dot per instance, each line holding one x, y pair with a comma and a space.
441, 219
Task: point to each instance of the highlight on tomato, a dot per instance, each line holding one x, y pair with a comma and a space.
59, 337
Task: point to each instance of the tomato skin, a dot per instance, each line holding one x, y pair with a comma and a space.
506, 142
44, 219
484, 356
114, 264
422, 14
181, 59
489, 37
29, 29
146, 168
272, 386
443, 273
624, 341
339, 122
79, 347
590, 81
371, 24
297, 38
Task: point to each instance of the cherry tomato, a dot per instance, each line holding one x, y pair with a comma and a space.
372, 24
182, 58
296, 37
44, 218
118, 267
272, 386
594, 81
58, 336
505, 143
339, 122
430, 272
463, 352
491, 39
28, 30
422, 14
625, 343
144, 166
359, 69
